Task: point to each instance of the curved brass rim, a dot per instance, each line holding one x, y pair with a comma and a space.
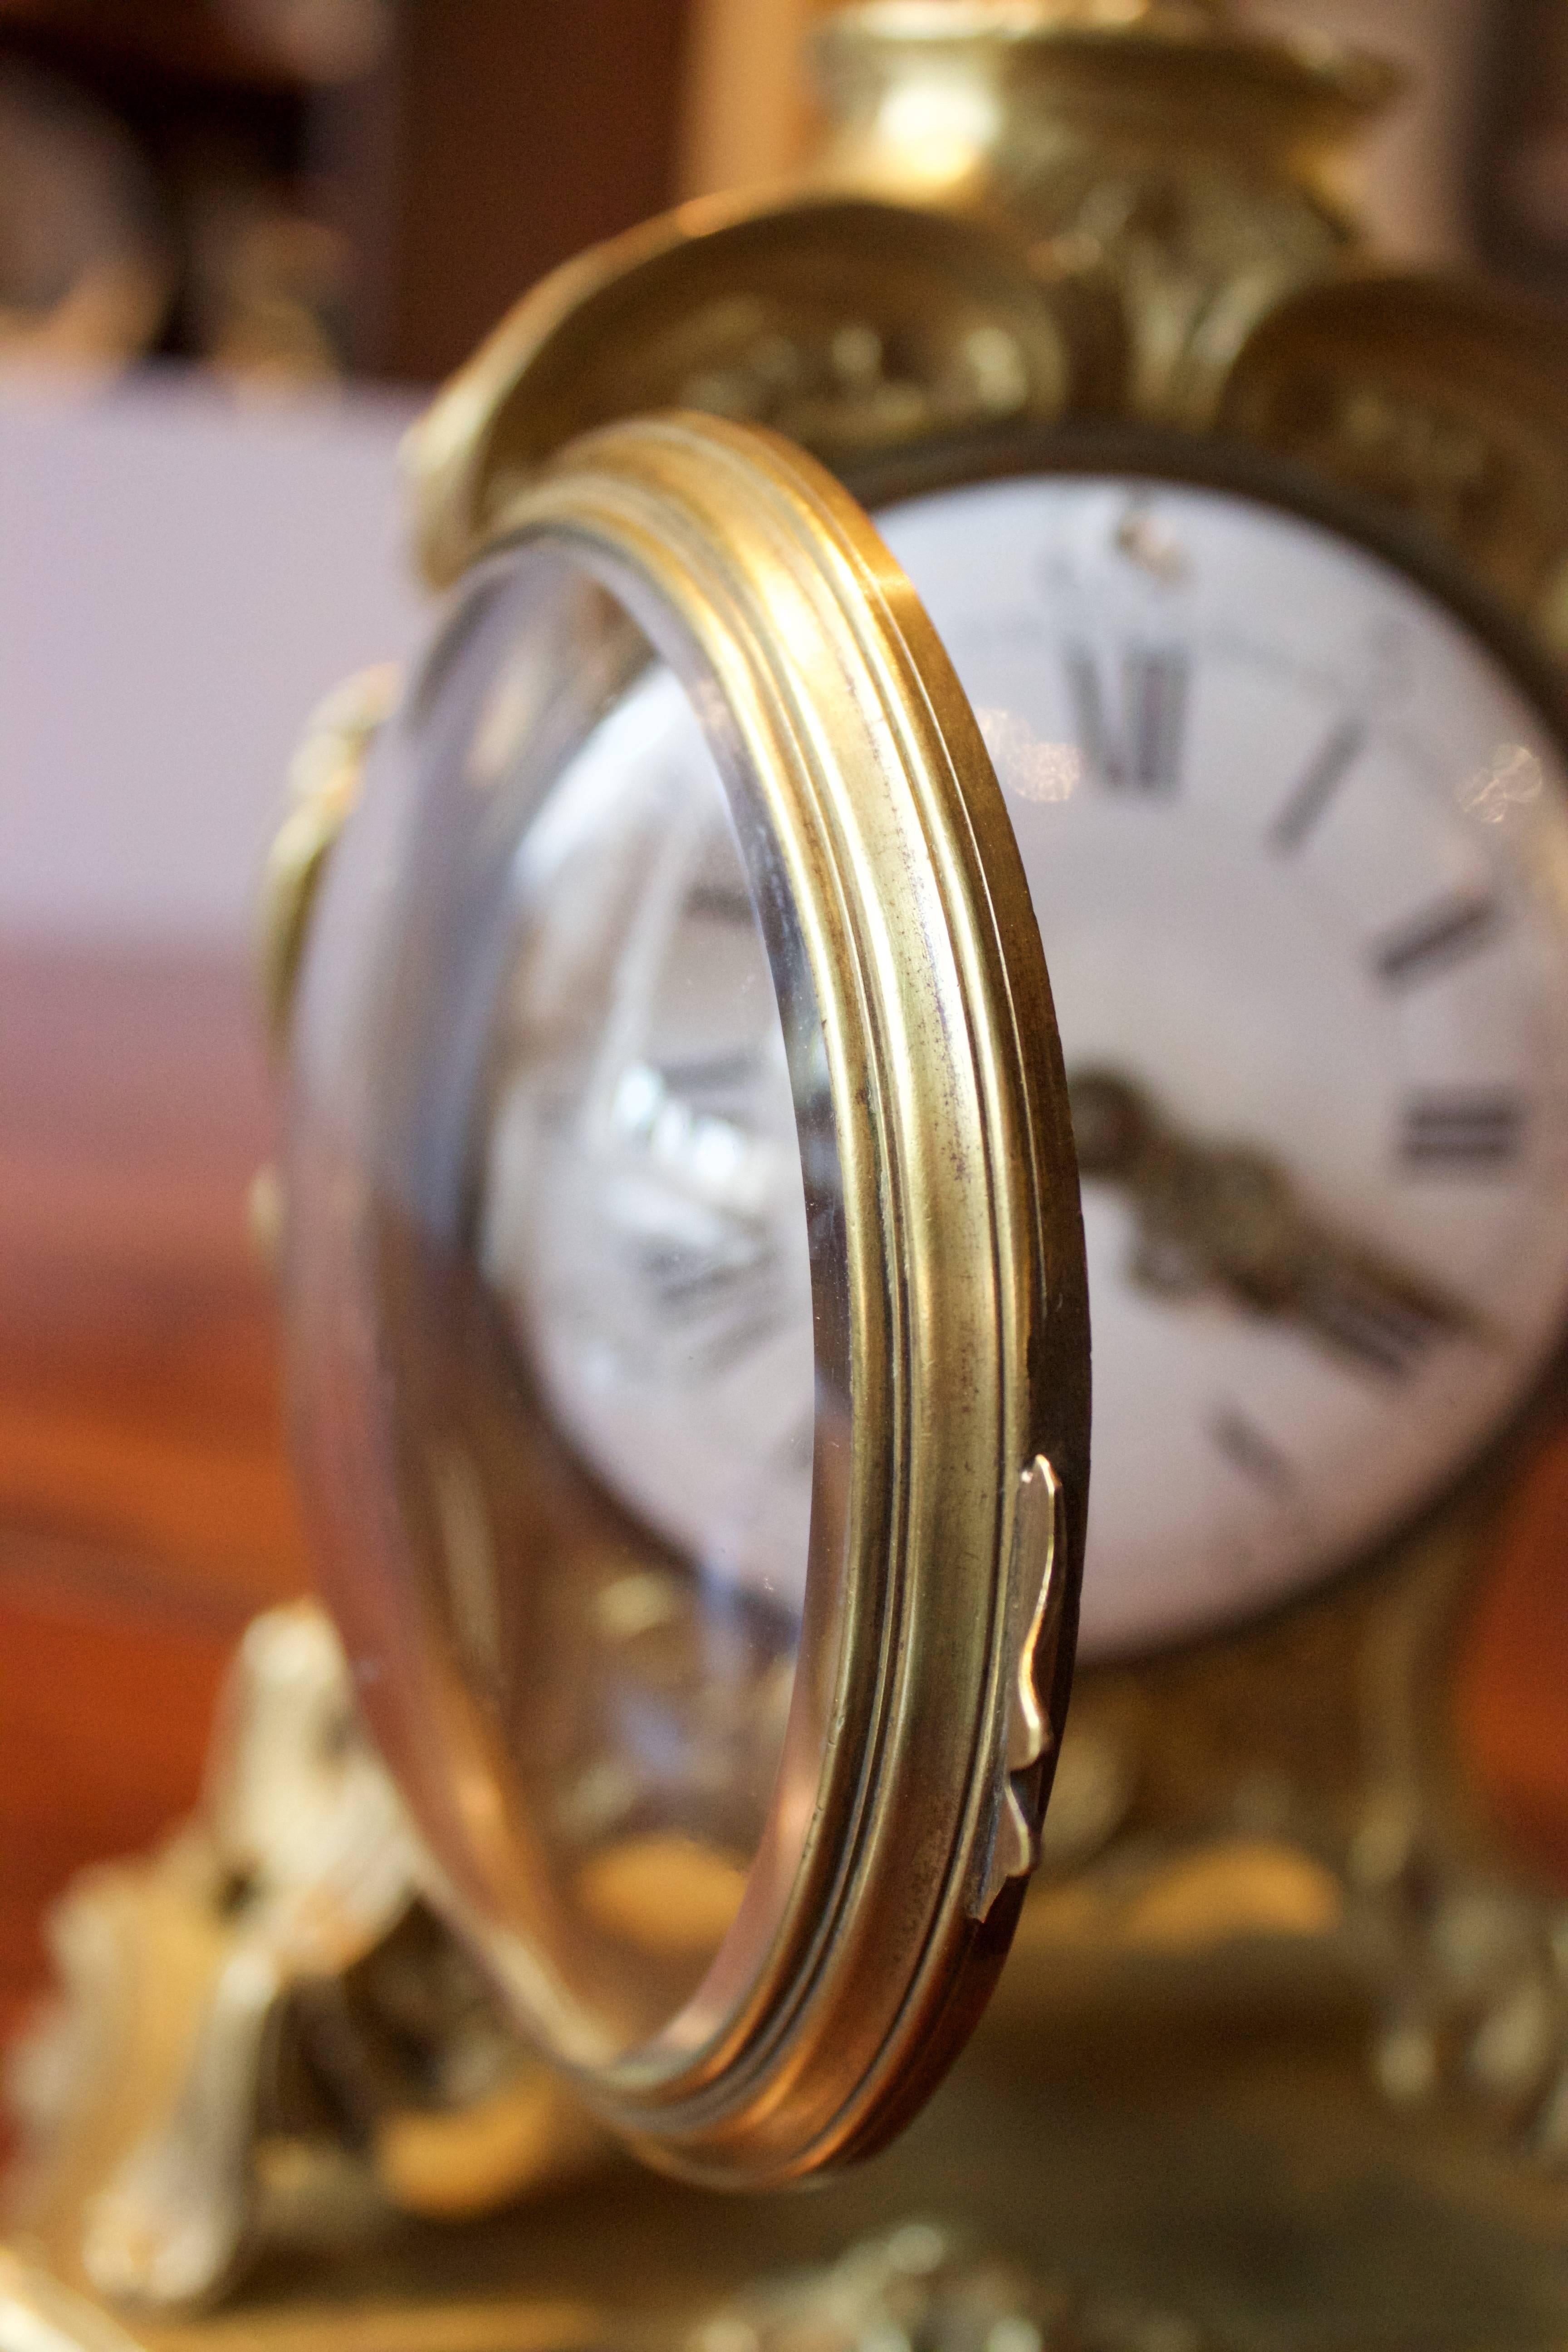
828, 2014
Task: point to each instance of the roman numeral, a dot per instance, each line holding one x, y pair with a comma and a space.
1385, 1334
714, 902
1246, 1449
1140, 746
1462, 1131
722, 1301
1432, 941
1309, 801
710, 1073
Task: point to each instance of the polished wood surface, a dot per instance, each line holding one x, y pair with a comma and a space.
145, 1507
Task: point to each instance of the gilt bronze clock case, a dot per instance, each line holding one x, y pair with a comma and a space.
1061, 279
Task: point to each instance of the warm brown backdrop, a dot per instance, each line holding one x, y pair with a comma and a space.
145, 1509
479, 143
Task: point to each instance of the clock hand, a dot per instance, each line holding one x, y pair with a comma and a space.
1226, 1217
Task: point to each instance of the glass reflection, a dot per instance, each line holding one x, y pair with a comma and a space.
641, 1221
544, 1082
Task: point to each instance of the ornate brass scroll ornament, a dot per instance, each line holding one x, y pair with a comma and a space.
259, 2033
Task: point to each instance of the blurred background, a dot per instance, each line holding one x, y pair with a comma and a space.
240, 240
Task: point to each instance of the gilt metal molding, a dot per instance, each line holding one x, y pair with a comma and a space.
1295, 1796
853, 325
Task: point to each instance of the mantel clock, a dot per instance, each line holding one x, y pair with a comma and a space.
1242, 569
1044, 536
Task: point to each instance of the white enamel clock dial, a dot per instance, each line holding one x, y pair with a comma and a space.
1299, 846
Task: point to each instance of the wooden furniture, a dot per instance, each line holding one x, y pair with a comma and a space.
145, 1508
448, 157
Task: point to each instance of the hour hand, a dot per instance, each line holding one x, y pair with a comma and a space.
1365, 1304
1226, 1217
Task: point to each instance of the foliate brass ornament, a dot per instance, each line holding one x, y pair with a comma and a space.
1473, 1991
1443, 397
922, 2283
1203, 165
1298, 1789
258, 2034
1146, 209
851, 325
1021, 211
322, 787
1207, 169
1122, 194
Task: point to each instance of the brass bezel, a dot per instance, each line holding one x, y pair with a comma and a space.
828, 2016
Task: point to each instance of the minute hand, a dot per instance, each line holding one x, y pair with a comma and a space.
1228, 1217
